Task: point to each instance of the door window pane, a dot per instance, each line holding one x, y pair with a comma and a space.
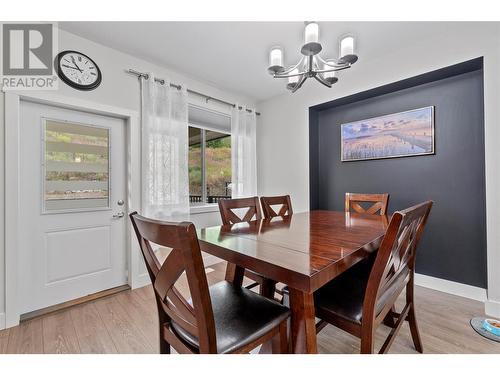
76, 166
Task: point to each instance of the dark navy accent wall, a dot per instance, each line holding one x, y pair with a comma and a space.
454, 244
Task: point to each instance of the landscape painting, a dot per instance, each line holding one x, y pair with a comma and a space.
396, 135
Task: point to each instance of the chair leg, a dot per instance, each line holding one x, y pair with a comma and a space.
164, 346
412, 318
280, 341
367, 338
162, 319
367, 343
415, 335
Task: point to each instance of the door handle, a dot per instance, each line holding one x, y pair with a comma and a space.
118, 215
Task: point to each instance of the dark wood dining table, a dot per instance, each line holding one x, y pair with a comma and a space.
304, 251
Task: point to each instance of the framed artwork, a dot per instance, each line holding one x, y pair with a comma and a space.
401, 134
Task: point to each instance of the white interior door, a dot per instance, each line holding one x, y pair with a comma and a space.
72, 189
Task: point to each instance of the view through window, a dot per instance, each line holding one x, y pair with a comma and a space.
76, 166
209, 166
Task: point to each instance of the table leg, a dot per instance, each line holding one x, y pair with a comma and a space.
303, 325
234, 274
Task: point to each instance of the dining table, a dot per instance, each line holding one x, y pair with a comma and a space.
303, 251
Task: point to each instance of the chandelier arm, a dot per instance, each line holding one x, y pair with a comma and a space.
322, 81
335, 65
300, 83
279, 75
333, 70
289, 75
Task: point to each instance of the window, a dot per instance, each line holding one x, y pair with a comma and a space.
209, 165
76, 166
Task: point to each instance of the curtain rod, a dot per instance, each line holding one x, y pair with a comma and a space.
207, 97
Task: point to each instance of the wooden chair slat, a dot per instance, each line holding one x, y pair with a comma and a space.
181, 319
249, 215
268, 202
171, 269
380, 203
183, 306
226, 207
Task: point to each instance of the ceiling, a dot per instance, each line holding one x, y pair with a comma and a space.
234, 55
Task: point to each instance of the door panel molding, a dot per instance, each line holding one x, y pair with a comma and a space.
64, 261
12, 184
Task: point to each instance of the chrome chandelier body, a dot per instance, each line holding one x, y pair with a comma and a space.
312, 65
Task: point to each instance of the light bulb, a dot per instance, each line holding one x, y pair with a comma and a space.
312, 46
275, 60
311, 33
347, 46
347, 52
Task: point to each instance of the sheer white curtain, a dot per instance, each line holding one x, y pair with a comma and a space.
165, 182
243, 153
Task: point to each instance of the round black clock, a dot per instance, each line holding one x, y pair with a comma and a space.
78, 70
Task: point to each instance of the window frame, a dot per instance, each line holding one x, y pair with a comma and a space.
205, 207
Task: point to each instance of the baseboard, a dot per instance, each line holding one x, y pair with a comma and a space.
451, 287
141, 280
2, 321
492, 308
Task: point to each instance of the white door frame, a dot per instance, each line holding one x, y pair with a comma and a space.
12, 181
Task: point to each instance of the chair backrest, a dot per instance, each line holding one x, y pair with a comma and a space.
196, 318
268, 202
395, 261
226, 207
353, 202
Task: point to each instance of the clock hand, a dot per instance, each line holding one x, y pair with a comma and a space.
71, 67
74, 62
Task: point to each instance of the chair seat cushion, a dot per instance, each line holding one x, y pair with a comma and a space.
343, 297
241, 316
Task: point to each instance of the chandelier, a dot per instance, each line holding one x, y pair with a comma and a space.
311, 65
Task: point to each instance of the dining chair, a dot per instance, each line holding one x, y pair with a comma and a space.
253, 211
222, 318
268, 202
360, 299
374, 203
227, 207
355, 201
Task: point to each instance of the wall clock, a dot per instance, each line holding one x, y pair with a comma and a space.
78, 70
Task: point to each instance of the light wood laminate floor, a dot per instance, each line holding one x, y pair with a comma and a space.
127, 323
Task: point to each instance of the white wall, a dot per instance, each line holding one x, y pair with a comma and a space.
121, 90
283, 132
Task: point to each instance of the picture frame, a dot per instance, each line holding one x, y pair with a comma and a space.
395, 135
